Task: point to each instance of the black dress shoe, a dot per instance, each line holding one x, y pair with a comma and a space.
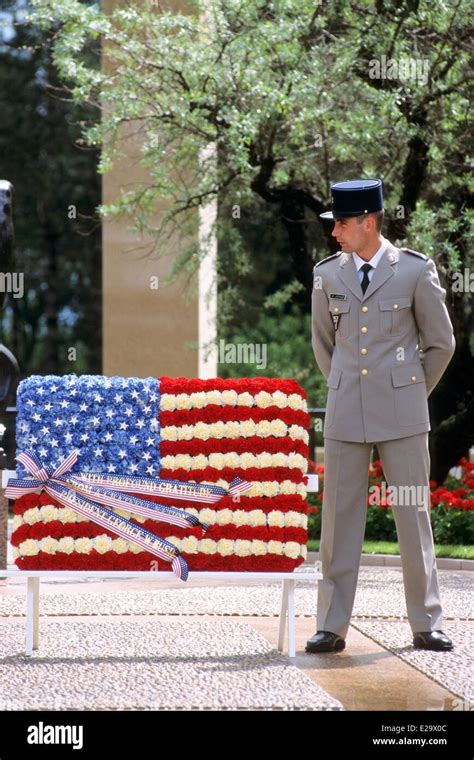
324, 641
436, 640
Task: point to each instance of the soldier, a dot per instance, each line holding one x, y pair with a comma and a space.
374, 306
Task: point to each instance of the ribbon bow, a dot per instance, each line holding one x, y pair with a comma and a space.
92, 495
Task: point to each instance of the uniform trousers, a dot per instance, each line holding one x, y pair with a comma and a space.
406, 462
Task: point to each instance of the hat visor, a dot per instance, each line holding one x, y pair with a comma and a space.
341, 214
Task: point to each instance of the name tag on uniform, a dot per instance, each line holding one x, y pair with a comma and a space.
340, 296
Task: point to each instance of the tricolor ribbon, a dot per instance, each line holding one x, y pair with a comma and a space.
91, 494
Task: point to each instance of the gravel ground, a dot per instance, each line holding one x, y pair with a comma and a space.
453, 670
380, 594
151, 665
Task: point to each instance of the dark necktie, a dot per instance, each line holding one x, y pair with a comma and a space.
365, 280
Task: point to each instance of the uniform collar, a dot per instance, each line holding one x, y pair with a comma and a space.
375, 258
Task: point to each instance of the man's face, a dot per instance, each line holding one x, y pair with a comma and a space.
350, 235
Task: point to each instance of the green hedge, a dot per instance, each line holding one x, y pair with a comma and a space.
452, 511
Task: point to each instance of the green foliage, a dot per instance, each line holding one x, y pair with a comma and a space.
285, 338
454, 551
56, 189
273, 85
450, 524
258, 104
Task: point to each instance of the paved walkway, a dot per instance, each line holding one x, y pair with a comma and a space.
365, 676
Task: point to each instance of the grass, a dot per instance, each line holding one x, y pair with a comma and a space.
390, 547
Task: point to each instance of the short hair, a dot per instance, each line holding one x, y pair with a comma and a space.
378, 215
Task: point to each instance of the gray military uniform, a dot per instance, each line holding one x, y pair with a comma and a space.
381, 353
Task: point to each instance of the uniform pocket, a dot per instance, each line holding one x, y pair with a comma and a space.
340, 316
392, 311
409, 389
333, 381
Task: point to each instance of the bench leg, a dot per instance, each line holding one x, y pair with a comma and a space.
291, 619
283, 611
32, 615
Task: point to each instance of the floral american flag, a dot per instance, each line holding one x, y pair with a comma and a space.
206, 431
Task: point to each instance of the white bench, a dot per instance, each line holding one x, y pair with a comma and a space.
288, 581
287, 604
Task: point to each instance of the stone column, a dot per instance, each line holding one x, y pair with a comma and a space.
146, 330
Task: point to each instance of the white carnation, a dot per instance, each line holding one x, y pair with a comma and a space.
31, 516
207, 546
29, 548
218, 429
217, 460
189, 545
247, 428
259, 548
233, 429
49, 513
103, 544
83, 545
230, 397
295, 401
198, 400
275, 547
214, 397
48, 545
225, 547
276, 519
243, 548
279, 399
224, 516
169, 433
264, 459
119, 545
167, 402
201, 430
257, 517
183, 401
186, 432
67, 515
263, 399
245, 399
291, 549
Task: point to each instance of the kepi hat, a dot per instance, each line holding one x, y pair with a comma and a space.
355, 197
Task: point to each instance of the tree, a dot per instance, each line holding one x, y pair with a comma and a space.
293, 95
56, 190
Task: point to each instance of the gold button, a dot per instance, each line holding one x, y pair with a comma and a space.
336, 310
395, 305
363, 351
365, 371
365, 308
364, 329
413, 377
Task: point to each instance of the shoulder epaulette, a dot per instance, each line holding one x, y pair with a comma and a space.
415, 253
323, 261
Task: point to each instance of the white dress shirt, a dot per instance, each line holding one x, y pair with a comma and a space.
373, 261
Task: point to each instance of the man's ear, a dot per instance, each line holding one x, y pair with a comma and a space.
371, 223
